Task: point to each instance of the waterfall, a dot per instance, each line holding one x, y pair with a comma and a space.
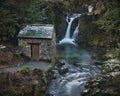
67, 35
75, 33
67, 38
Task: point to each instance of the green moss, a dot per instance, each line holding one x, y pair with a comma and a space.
17, 52
26, 70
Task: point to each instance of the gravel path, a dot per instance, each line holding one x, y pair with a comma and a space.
31, 64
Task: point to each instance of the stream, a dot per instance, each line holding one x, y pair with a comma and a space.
76, 67
74, 76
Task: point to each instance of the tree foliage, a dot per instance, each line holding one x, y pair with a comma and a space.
110, 21
111, 18
16, 13
40, 12
8, 20
13, 15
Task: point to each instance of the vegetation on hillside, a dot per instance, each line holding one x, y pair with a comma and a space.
99, 30
110, 22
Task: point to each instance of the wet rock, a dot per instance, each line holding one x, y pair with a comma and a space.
74, 61
113, 61
112, 53
60, 68
85, 92
107, 84
103, 88
108, 56
60, 64
111, 65
98, 62
63, 70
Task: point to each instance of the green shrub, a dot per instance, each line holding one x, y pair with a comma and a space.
26, 70
17, 52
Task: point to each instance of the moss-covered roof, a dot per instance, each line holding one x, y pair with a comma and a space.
37, 31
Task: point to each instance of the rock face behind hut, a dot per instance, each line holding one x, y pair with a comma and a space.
38, 42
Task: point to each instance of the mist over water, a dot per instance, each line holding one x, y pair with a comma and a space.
71, 51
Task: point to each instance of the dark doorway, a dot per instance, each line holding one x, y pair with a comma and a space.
35, 51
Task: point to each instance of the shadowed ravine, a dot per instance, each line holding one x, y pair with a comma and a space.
76, 67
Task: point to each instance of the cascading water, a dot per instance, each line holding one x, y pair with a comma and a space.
76, 67
67, 38
75, 33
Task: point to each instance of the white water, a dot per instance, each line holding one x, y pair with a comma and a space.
67, 35
75, 33
72, 82
67, 38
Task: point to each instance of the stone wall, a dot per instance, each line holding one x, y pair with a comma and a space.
47, 47
54, 48
26, 48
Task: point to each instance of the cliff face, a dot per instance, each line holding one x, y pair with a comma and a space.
99, 7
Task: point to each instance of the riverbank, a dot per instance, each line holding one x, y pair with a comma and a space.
107, 84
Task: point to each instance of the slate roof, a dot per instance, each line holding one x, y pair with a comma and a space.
37, 31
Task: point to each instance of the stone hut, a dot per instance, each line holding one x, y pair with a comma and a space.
38, 42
